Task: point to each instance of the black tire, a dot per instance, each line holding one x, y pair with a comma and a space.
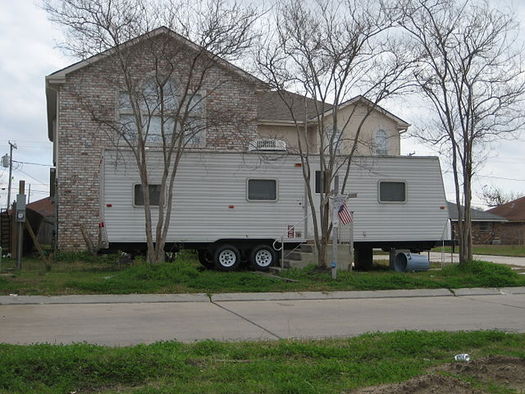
205, 258
227, 258
262, 257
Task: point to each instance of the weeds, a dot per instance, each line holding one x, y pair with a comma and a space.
286, 366
185, 275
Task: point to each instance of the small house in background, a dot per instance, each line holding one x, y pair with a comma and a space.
46, 224
513, 230
40, 216
486, 226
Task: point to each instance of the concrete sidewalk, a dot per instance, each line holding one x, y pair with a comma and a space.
243, 317
275, 296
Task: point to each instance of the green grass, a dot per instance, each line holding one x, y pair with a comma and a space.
494, 250
286, 366
102, 276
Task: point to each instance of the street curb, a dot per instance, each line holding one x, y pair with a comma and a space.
332, 295
231, 297
476, 291
103, 299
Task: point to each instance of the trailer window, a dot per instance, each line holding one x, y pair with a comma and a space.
392, 191
262, 189
154, 195
321, 181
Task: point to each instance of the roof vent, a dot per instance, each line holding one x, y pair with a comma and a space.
267, 145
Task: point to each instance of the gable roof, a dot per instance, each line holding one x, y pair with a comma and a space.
59, 75
403, 125
44, 207
477, 214
271, 107
513, 210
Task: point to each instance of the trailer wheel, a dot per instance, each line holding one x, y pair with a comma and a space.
227, 258
262, 257
205, 258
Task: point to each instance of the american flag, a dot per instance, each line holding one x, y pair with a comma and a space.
344, 214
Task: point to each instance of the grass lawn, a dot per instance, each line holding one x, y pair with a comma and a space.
494, 250
88, 275
286, 366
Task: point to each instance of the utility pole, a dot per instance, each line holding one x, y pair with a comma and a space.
11, 146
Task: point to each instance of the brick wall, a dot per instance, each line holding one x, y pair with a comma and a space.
230, 115
488, 233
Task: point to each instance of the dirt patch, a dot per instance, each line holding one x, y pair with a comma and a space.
502, 370
426, 384
508, 372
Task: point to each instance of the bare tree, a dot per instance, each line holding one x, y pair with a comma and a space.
318, 55
494, 196
470, 71
162, 112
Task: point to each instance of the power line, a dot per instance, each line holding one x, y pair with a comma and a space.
500, 177
33, 164
30, 176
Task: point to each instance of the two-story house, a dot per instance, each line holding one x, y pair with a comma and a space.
79, 139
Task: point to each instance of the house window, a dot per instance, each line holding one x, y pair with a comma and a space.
161, 114
392, 191
484, 227
262, 190
334, 139
381, 142
154, 195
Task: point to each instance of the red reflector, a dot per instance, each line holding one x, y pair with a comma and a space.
298, 165
109, 205
231, 206
441, 207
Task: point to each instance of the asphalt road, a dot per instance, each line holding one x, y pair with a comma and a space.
508, 260
128, 323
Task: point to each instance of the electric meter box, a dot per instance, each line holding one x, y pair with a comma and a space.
21, 208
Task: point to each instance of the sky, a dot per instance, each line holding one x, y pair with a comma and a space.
28, 43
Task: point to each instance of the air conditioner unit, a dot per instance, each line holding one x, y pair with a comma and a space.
267, 145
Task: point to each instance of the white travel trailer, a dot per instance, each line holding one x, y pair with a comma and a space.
238, 206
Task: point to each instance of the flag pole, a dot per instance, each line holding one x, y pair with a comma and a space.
335, 227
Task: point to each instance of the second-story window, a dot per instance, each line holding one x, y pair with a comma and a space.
162, 115
334, 140
381, 142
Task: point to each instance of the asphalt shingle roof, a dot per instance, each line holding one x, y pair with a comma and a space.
513, 210
477, 214
270, 106
44, 207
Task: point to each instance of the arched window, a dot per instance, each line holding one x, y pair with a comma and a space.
381, 142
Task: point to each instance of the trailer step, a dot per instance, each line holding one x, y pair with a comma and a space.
293, 256
296, 263
306, 248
